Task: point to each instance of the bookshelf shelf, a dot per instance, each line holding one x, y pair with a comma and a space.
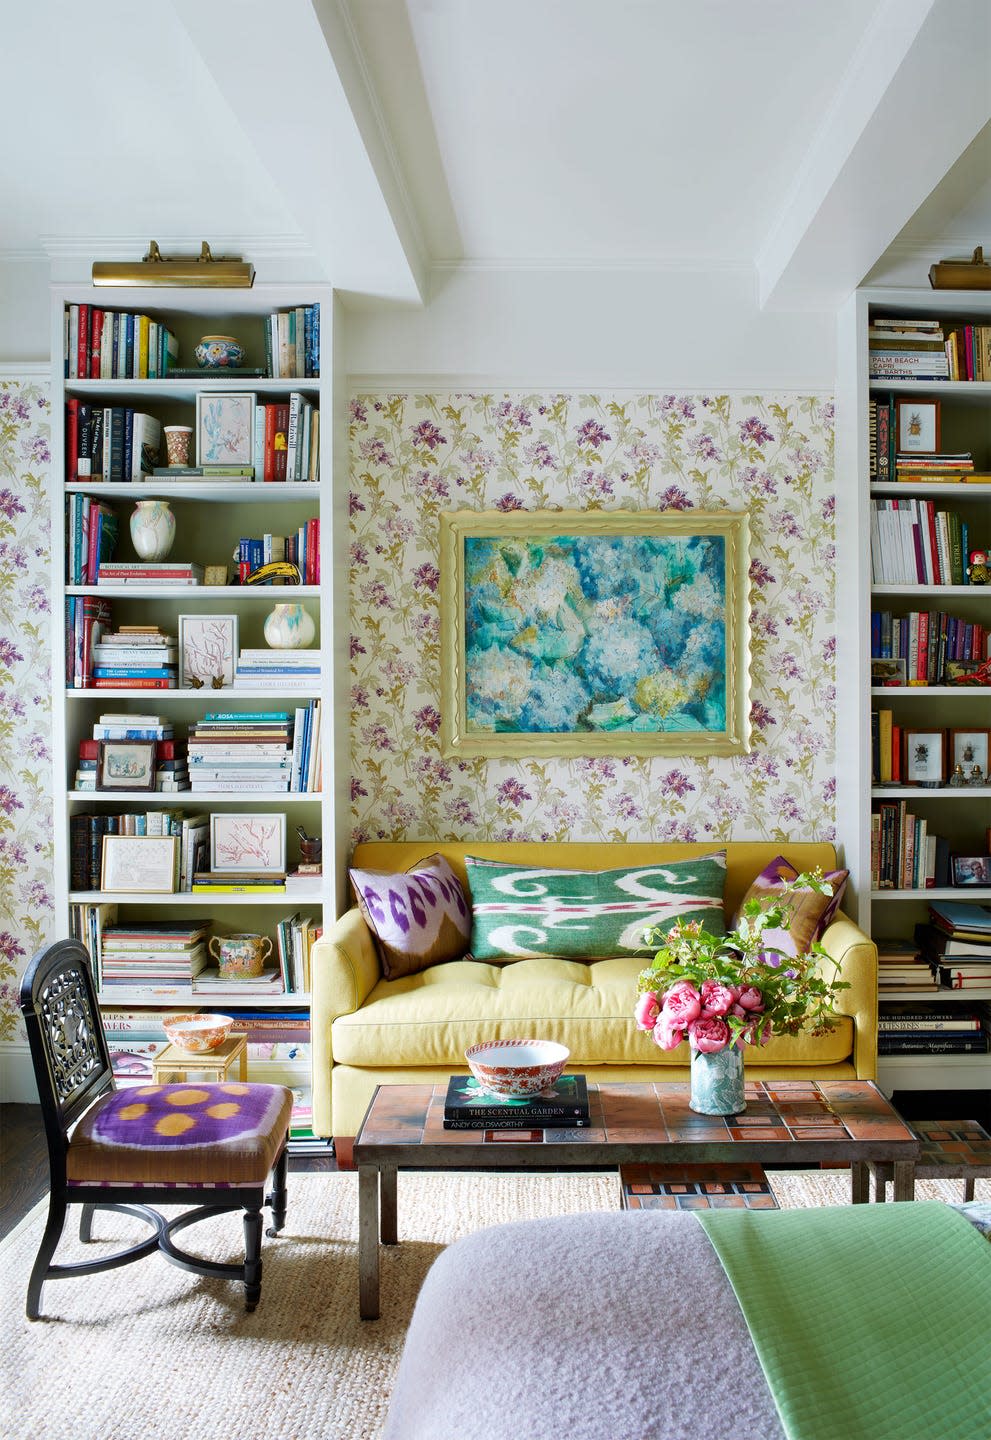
212, 518
959, 815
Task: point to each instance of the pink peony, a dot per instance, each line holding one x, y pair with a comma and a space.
667, 1034
682, 1003
717, 999
709, 1034
648, 1007
751, 998
756, 1033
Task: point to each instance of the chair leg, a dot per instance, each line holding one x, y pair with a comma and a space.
49, 1242
968, 1187
277, 1199
86, 1223
252, 1257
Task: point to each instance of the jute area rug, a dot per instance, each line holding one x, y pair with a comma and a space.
152, 1351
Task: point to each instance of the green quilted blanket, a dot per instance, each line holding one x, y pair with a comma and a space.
871, 1322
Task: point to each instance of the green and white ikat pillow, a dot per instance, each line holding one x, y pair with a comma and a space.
520, 911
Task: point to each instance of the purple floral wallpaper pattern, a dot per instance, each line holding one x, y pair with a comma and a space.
26, 852
416, 455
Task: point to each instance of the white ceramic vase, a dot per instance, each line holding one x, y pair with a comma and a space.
152, 529
289, 627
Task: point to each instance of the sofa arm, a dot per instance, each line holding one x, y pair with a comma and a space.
344, 968
856, 955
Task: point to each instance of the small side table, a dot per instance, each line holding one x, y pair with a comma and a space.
173, 1063
950, 1150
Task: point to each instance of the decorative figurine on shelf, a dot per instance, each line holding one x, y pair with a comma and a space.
976, 776
957, 778
978, 571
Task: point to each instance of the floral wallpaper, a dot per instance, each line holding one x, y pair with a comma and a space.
416, 455
26, 852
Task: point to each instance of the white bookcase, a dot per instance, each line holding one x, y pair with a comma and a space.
211, 516
962, 814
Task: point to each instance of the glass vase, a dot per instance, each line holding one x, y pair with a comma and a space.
717, 1082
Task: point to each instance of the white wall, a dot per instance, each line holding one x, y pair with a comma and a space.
575, 328
25, 308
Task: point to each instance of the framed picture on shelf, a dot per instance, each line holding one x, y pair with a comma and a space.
888, 672
242, 842
225, 428
917, 427
924, 759
522, 675
207, 651
971, 869
969, 750
146, 863
126, 765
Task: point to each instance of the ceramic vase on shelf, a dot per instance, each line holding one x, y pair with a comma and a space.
152, 529
289, 627
717, 1082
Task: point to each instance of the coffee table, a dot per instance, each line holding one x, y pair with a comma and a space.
785, 1123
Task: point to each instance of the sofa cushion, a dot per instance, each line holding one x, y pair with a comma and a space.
810, 914
430, 1019
418, 918
521, 910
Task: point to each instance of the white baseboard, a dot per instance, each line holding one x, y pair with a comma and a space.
17, 1085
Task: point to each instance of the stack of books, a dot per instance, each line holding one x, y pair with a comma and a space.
238, 882
957, 943
295, 937
901, 349
269, 669
161, 957
933, 1029
901, 965
134, 1039
292, 343
241, 751
92, 532
940, 466
174, 573
564, 1107
135, 655
204, 472
230, 989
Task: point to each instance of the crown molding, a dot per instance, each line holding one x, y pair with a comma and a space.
637, 265
103, 247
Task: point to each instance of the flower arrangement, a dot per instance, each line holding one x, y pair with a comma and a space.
736, 989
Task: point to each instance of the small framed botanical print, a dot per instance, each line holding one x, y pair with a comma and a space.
225, 428
207, 651
248, 842
917, 429
969, 750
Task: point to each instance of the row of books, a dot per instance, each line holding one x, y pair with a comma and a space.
287, 440
295, 937
467, 1106
914, 543
92, 531
242, 751
933, 1029
301, 549
905, 854
928, 643
87, 832
292, 343
101, 344
110, 442
900, 349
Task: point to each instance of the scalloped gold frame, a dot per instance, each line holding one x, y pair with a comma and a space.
457, 526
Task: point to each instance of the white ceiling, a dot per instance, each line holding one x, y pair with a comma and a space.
377, 140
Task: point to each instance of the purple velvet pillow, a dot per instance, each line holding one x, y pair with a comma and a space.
418, 918
811, 913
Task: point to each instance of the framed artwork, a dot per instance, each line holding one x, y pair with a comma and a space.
225, 428
971, 869
207, 651
888, 672
917, 427
591, 633
924, 761
147, 863
248, 842
126, 765
969, 749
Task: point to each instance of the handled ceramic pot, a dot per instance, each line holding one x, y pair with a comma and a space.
240, 955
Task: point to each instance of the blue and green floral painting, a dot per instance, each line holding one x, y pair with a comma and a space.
567, 633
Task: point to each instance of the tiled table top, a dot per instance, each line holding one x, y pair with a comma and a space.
789, 1120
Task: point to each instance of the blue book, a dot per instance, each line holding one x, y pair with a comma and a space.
125, 672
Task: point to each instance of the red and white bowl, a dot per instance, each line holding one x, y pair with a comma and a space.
197, 1034
513, 1069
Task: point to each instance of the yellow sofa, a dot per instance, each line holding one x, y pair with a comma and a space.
370, 1031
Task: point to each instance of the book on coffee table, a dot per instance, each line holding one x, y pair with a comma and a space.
468, 1107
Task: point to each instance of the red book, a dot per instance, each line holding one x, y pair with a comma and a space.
313, 552
82, 348
89, 749
280, 442
95, 343
96, 615
132, 683
71, 439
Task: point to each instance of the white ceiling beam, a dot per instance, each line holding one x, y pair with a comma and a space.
298, 89
913, 97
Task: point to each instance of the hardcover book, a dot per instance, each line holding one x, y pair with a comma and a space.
565, 1104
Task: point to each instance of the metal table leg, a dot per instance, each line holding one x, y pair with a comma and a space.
860, 1183
368, 1242
904, 1179
389, 1222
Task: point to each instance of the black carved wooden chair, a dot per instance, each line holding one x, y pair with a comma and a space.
211, 1146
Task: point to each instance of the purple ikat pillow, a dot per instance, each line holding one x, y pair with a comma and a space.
419, 917
811, 914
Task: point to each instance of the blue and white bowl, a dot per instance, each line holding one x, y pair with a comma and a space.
219, 352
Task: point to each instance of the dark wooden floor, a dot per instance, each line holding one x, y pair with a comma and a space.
24, 1163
